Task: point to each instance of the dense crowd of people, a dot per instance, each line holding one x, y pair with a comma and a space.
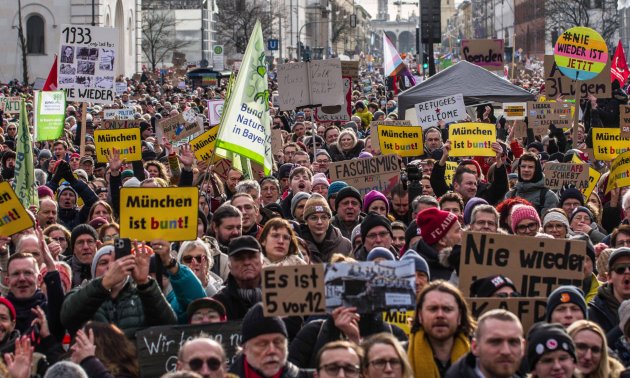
70, 308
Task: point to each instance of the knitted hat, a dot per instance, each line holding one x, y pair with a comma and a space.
470, 206
373, 196
380, 252
624, 314
256, 324
335, 187
356, 231
322, 152
44, 191
556, 216
127, 173
316, 204
411, 232
617, 253
546, 338
374, 220
319, 178
537, 145
522, 212
6, 302
434, 223
571, 193
581, 209
132, 183
348, 191
63, 188
104, 250
365, 155
285, 170
97, 222
44, 154
206, 302
485, 287
565, 294
419, 261
297, 198
81, 229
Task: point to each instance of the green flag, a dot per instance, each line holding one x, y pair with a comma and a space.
50, 114
25, 186
246, 126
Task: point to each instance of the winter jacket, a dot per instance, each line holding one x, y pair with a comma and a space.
131, 310
346, 231
186, 288
80, 272
235, 305
590, 287
95, 369
337, 154
333, 242
438, 269
466, 367
288, 371
73, 217
618, 343
491, 192
531, 191
603, 308
303, 349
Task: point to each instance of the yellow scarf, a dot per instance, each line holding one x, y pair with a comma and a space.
421, 354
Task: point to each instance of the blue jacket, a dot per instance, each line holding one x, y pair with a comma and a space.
186, 288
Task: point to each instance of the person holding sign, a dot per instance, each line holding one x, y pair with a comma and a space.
67, 195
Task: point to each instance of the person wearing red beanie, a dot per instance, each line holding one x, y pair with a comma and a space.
439, 228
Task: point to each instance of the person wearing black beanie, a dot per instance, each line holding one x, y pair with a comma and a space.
565, 306
348, 204
570, 199
550, 349
376, 231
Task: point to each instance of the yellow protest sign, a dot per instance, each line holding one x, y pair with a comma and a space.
402, 319
619, 172
400, 140
203, 145
608, 143
449, 172
593, 178
127, 141
13, 216
472, 139
159, 213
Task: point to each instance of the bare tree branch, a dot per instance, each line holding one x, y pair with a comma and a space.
158, 35
565, 14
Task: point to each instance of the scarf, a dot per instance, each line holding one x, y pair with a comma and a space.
421, 354
250, 372
251, 296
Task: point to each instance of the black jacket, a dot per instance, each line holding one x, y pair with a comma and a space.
235, 306
437, 269
465, 368
337, 154
289, 371
72, 217
603, 309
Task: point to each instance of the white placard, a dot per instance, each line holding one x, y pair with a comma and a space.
310, 83
448, 109
120, 88
215, 108
126, 114
515, 111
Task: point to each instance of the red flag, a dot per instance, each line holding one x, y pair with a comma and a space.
619, 68
51, 82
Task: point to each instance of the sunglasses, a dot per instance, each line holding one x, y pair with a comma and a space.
621, 268
188, 259
213, 363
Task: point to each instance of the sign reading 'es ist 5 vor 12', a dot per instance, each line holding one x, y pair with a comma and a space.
293, 290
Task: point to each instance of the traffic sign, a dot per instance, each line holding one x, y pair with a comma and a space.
272, 44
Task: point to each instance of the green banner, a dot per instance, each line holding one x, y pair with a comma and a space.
50, 115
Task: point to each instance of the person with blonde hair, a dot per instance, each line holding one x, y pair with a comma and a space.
591, 348
385, 357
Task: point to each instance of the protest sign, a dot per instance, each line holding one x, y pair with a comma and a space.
560, 175
556, 84
388, 122
529, 310
158, 346
317, 82
276, 141
350, 68
380, 173
203, 145
159, 213
13, 216
593, 178
619, 172
486, 53
178, 127
87, 60
544, 114
401, 319
400, 140
472, 139
10, 105
337, 112
50, 114
449, 172
121, 87
293, 290
371, 286
126, 141
580, 53
520, 129
447, 109
608, 143
126, 114
215, 109
515, 111
624, 120
536, 265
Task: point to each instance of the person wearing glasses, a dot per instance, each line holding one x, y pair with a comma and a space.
195, 254
337, 356
203, 356
603, 309
592, 351
525, 221
565, 306
484, 218
384, 357
620, 237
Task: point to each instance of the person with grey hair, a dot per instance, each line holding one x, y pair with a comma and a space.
250, 187
195, 254
484, 218
65, 369
423, 202
40, 176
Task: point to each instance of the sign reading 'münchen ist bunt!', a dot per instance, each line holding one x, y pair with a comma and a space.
581, 53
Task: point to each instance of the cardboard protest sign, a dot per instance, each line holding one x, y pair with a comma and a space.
537, 266
126, 141
486, 53
388, 122
371, 286
10, 105
159, 213
546, 113
593, 178
86, 66
449, 172
178, 127
556, 84
13, 216
472, 139
317, 82
126, 114
401, 140
529, 310
215, 109
350, 68
624, 121
560, 175
203, 145
339, 112
158, 346
580, 53
515, 111
608, 143
293, 290
520, 129
50, 114
447, 109
380, 173
401, 319
619, 172
276, 141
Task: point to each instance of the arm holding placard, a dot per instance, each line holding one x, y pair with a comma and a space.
187, 158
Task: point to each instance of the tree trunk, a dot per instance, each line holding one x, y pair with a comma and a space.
22, 44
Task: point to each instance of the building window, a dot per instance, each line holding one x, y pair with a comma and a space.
35, 35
